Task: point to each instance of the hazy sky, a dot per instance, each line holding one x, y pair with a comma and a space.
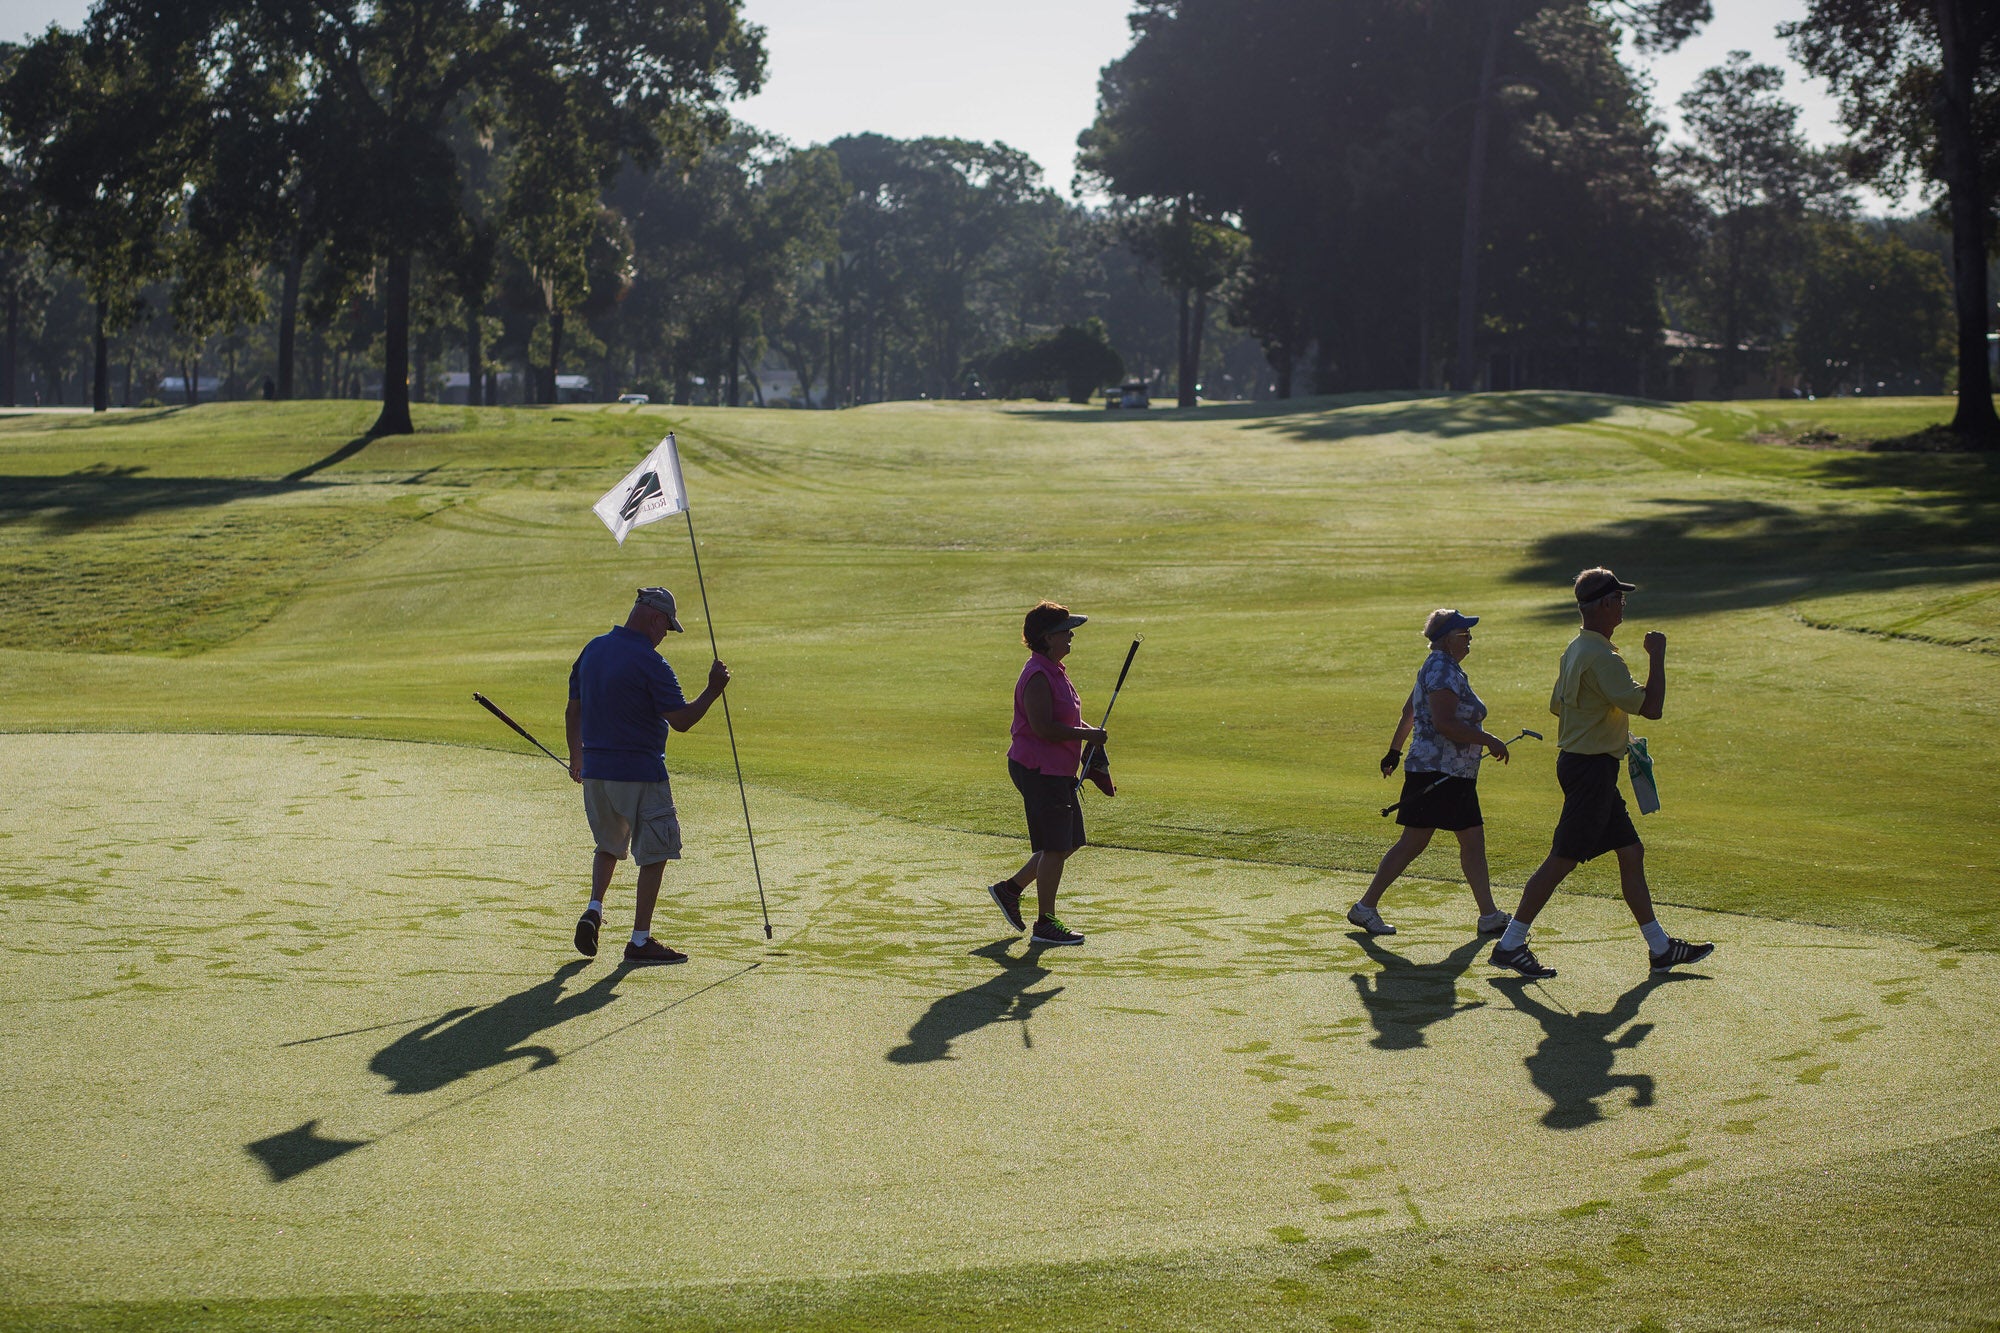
1025, 71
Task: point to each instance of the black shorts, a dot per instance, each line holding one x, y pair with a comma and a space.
1055, 814
1594, 819
1451, 804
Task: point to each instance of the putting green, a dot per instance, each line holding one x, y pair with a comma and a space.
295, 1016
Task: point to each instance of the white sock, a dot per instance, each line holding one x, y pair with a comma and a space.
639, 937
596, 905
1515, 935
1656, 936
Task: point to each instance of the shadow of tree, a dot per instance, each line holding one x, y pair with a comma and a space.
105, 494
1693, 557
470, 1039
1002, 998
90, 499
1573, 1065
1404, 998
1322, 418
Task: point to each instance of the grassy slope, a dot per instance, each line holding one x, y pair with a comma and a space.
1832, 614
869, 570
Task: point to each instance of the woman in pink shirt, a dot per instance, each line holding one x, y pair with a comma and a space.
1048, 740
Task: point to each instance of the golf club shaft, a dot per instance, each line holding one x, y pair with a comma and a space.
494, 709
1387, 809
1130, 653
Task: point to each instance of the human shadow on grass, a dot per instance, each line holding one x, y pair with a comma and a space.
1696, 557
1574, 1064
469, 1039
1005, 997
1404, 997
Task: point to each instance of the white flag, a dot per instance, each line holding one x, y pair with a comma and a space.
650, 492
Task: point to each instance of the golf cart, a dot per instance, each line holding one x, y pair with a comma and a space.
1129, 395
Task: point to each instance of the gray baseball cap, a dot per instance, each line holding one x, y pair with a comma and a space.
659, 599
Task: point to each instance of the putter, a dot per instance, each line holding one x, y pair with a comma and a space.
494, 709
1130, 653
1388, 809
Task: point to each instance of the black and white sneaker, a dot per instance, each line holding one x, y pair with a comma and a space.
1007, 897
1521, 960
1050, 930
586, 934
1678, 953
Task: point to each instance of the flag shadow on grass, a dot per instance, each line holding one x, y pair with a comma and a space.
465, 1041
1004, 997
1573, 1065
1404, 998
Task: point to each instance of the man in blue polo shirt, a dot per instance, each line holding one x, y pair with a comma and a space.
622, 698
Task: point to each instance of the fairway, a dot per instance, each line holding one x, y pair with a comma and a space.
297, 1036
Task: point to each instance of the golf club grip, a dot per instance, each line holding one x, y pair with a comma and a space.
494, 709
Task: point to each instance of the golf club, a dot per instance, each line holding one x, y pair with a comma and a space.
1130, 653
494, 709
1387, 809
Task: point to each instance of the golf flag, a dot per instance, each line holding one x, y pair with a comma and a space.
650, 492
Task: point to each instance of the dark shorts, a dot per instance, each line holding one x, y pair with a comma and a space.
1451, 804
1055, 815
1594, 819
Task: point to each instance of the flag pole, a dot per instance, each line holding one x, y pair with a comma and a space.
701, 583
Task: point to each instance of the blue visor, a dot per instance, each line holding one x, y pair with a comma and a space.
1453, 623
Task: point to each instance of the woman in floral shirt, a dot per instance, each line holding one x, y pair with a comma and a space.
1441, 719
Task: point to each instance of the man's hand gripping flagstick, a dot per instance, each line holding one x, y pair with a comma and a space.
650, 492
1130, 653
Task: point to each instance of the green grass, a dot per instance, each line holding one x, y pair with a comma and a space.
1265, 1124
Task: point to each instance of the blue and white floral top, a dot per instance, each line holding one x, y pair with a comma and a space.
1430, 752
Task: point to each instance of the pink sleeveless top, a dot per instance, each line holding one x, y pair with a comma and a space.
1056, 758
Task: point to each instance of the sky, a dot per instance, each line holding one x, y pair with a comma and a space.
1024, 72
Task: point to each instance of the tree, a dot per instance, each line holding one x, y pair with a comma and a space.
383, 82
1919, 86
1871, 308
1753, 173
100, 126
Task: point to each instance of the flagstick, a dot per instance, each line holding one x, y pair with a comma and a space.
717, 652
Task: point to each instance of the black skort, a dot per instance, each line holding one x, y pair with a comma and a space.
1451, 804
1594, 819
1055, 814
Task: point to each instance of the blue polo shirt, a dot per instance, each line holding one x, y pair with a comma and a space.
625, 687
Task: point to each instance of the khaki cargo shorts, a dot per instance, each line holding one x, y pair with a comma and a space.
638, 814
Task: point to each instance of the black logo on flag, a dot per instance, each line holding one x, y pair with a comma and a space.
642, 490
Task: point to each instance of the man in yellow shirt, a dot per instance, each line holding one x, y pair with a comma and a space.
1593, 700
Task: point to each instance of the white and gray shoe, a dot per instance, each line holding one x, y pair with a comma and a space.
1370, 920
1495, 923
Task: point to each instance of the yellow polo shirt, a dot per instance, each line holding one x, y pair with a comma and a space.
1594, 694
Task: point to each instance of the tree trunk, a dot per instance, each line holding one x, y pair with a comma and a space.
735, 359
100, 374
395, 415
13, 344
1185, 381
550, 394
420, 379
1195, 332
288, 318
1475, 193
1974, 421
475, 362
1732, 321
191, 378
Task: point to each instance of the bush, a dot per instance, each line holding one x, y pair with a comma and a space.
1077, 357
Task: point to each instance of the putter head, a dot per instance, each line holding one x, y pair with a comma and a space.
1534, 734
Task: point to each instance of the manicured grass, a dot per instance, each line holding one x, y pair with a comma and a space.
223, 948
